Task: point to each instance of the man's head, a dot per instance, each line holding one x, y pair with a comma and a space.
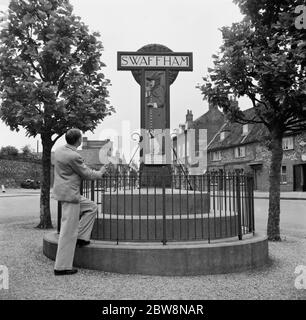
74, 137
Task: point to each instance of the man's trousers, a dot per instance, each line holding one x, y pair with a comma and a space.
73, 228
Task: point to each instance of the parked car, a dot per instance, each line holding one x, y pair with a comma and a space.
30, 184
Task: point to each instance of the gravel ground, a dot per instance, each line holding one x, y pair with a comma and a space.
31, 275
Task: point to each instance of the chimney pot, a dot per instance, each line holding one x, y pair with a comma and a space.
189, 116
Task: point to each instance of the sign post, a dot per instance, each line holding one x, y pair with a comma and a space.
155, 68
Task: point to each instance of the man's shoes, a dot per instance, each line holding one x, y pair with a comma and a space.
65, 272
82, 243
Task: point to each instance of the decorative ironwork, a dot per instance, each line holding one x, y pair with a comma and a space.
194, 208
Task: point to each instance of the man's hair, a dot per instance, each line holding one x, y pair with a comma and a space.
72, 136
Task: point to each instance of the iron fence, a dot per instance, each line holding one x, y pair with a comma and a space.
207, 207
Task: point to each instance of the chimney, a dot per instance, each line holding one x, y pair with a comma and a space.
189, 119
189, 116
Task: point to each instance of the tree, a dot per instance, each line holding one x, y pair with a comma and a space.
26, 151
9, 151
263, 58
50, 77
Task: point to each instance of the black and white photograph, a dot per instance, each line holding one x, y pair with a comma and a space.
153, 152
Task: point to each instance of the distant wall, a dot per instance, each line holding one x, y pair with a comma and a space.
13, 172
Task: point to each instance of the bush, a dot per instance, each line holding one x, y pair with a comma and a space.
9, 151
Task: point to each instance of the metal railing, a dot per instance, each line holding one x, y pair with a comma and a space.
207, 207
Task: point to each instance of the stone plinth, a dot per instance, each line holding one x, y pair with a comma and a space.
175, 259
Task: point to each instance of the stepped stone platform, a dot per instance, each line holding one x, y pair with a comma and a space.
168, 232
174, 259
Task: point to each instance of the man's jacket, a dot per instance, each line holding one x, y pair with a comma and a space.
69, 170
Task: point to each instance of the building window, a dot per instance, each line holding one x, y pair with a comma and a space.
239, 152
222, 135
288, 143
283, 174
216, 156
245, 129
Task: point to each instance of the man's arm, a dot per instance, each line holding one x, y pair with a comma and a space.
77, 164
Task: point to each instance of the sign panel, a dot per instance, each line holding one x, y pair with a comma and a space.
155, 105
155, 68
135, 60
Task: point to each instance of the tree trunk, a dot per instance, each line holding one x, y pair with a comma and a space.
45, 214
273, 229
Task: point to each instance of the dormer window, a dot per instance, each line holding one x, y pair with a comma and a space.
245, 129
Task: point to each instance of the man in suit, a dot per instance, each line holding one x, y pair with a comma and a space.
78, 212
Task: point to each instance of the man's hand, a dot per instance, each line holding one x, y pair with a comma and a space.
104, 168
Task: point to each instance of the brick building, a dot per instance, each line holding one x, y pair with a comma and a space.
212, 121
241, 148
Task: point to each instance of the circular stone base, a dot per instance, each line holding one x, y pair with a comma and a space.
173, 259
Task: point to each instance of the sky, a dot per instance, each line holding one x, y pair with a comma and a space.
127, 25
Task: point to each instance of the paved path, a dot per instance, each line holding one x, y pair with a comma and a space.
19, 192
21, 206
292, 218
284, 195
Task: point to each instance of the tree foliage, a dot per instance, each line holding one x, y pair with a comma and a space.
50, 77
50, 70
26, 151
263, 58
9, 151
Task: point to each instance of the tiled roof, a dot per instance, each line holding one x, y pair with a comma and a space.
212, 120
234, 135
